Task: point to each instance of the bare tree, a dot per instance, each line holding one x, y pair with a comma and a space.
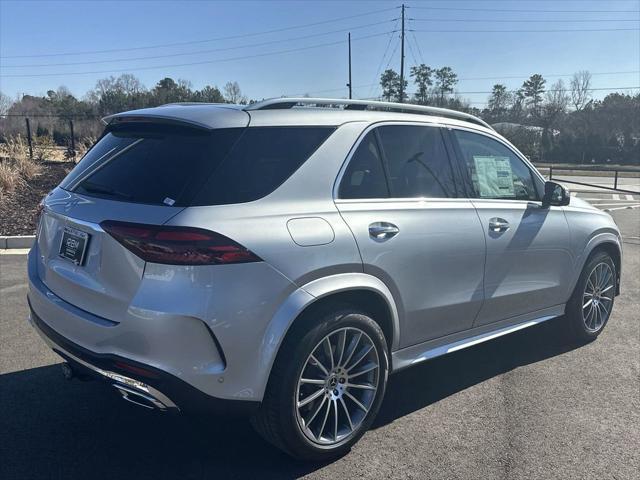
580, 89
5, 104
233, 94
555, 106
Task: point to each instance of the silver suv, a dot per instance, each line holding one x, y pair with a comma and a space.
283, 258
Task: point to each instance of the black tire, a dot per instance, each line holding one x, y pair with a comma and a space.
578, 329
277, 419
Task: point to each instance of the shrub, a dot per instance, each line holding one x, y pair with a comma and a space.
43, 148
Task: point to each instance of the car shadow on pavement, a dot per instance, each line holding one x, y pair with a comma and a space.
52, 428
441, 377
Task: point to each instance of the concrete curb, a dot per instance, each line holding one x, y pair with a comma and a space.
16, 241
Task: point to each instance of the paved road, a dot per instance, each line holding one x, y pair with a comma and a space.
522, 406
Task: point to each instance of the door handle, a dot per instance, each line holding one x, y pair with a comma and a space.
498, 225
382, 230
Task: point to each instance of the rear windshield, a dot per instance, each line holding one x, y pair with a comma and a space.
169, 165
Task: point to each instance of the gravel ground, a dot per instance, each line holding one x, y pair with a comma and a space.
525, 406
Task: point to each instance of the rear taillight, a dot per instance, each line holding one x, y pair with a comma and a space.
178, 245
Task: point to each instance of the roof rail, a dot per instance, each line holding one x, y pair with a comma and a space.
285, 103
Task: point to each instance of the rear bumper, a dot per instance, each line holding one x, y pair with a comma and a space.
172, 365
139, 383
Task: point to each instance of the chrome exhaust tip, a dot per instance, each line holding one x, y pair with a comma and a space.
139, 398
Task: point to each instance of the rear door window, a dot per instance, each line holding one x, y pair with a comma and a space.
417, 161
151, 164
261, 160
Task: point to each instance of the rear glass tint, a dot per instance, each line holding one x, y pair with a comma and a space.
261, 160
151, 164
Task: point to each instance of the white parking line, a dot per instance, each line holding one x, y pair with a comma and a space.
629, 197
621, 208
615, 196
617, 204
597, 199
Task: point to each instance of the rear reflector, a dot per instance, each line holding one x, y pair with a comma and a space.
178, 245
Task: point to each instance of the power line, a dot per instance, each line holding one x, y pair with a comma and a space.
537, 10
535, 31
271, 42
493, 20
501, 77
395, 49
614, 89
413, 55
415, 40
558, 90
386, 50
192, 42
510, 76
204, 62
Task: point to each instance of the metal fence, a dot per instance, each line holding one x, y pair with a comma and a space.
611, 174
52, 137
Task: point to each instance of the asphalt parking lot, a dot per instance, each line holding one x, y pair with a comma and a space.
523, 406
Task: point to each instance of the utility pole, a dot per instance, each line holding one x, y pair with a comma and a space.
401, 100
349, 84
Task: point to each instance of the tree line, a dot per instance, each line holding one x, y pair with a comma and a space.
556, 123
50, 115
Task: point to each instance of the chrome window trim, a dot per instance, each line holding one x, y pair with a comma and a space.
344, 201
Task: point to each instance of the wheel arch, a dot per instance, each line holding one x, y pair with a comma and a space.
613, 249
607, 242
357, 289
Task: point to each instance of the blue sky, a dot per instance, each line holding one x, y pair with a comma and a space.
484, 41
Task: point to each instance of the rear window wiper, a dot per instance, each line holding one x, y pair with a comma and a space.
91, 187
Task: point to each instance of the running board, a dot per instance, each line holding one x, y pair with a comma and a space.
435, 348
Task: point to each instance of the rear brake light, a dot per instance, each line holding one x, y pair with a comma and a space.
178, 245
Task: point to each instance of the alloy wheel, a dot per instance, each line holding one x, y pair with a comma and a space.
597, 298
337, 386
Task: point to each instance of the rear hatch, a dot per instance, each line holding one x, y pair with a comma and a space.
138, 172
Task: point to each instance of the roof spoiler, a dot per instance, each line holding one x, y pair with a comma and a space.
128, 118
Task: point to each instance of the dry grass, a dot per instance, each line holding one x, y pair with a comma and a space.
10, 178
16, 167
83, 146
15, 148
27, 168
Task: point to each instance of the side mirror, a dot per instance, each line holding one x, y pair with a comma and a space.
555, 195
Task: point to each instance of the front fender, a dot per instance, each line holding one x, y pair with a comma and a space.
609, 236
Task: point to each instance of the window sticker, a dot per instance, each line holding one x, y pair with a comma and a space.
495, 177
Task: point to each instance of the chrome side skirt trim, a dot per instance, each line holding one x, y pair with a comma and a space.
435, 348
